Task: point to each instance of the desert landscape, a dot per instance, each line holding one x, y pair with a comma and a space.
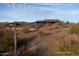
50, 38
39, 29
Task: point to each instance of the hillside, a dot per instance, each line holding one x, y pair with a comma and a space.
55, 39
46, 41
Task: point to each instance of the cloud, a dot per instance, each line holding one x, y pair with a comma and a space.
30, 12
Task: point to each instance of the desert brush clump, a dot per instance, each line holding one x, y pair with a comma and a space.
74, 29
41, 33
75, 47
25, 29
6, 41
55, 26
68, 48
63, 24
64, 46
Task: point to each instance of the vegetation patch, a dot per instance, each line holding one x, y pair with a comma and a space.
63, 24
5, 41
54, 27
25, 29
74, 29
68, 48
41, 33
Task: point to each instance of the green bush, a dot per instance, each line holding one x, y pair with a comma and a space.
74, 29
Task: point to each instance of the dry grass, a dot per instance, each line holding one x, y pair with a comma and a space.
25, 30
74, 29
59, 42
68, 48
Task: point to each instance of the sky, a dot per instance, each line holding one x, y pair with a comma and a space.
31, 12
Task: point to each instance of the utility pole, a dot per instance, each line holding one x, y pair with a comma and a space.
15, 43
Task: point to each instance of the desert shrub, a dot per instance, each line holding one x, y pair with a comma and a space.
74, 29
41, 33
72, 47
39, 51
75, 47
23, 45
57, 27
54, 27
62, 24
4, 40
64, 46
29, 53
25, 29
